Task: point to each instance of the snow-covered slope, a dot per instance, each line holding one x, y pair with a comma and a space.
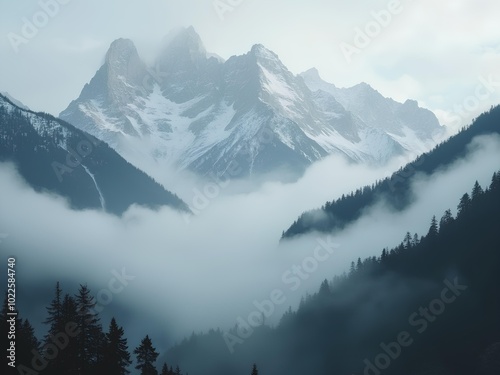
248, 114
54, 156
14, 100
415, 129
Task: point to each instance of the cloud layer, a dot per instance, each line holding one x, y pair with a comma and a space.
190, 276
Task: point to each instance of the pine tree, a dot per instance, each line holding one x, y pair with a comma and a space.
464, 204
495, 181
407, 241
165, 370
68, 358
26, 342
116, 356
446, 220
91, 337
254, 370
146, 357
324, 289
56, 325
477, 191
433, 229
28, 333
384, 255
55, 312
352, 269
415, 240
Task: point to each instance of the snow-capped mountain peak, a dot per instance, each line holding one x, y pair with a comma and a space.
186, 39
407, 120
182, 49
204, 113
262, 52
315, 82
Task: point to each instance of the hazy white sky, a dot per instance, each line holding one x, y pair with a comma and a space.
431, 51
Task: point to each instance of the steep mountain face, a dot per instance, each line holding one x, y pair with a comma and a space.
396, 190
248, 114
53, 156
105, 103
413, 127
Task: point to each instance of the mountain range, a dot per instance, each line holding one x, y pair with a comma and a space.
195, 111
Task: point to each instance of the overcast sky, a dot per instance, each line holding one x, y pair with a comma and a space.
431, 51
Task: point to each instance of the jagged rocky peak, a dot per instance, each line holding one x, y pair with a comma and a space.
260, 51
120, 78
185, 68
364, 88
267, 58
312, 74
182, 45
120, 49
272, 71
199, 111
421, 120
314, 81
410, 103
124, 66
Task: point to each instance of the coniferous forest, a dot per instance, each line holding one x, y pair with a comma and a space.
77, 343
395, 190
438, 292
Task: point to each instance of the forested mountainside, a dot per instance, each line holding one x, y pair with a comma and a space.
395, 190
428, 306
53, 156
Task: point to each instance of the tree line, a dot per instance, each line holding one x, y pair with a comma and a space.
76, 343
394, 190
